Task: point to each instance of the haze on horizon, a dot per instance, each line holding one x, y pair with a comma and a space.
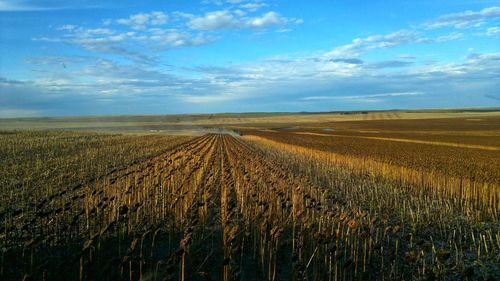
89, 57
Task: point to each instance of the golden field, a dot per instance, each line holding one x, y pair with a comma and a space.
359, 196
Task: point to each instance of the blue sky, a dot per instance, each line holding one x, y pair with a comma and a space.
88, 57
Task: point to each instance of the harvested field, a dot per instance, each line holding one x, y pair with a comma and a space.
217, 207
451, 159
39, 164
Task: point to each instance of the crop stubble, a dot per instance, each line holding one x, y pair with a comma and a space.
219, 208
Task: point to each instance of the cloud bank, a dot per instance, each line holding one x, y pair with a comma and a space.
122, 67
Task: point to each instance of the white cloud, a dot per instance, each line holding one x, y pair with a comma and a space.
214, 20
142, 20
316, 83
226, 19
268, 19
450, 37
144, 40
253, 6
482, 59
174, 38
151, 32
214, 98
362, 45
67, 27
493, 31
465, 19
289, 77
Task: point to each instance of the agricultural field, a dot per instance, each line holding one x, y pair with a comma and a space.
366, 196
463, 148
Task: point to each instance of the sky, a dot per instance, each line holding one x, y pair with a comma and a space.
89, 57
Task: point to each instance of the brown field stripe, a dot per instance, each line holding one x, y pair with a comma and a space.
472, 146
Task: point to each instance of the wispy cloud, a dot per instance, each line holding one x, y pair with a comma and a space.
360, 46
21, 6
148, 33
45, 5
253, 6
267, 81
450, 37
493, 31
464, 19
361, 97
106, 40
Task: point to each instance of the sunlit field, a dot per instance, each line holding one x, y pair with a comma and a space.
369, 200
